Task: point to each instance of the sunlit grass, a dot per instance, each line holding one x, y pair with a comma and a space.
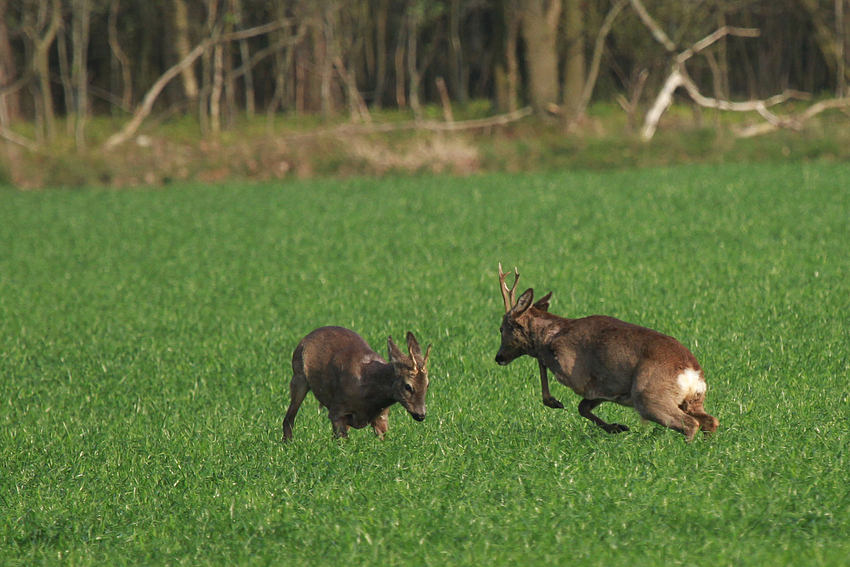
145, 340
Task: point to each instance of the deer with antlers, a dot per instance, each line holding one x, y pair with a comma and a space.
354, 382
603, 359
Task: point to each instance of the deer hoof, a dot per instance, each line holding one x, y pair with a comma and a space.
553, 403
616, 428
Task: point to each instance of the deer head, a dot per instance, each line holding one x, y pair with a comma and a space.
516, 339
411, 384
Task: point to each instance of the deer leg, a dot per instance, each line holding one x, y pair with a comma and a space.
381, 424
298, 389
340, 424
707, 423
340, 429
584, 409
667, 413
548, 399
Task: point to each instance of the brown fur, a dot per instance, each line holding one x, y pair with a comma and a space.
605, 359
354, 382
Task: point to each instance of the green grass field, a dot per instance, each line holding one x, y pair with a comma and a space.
146, 336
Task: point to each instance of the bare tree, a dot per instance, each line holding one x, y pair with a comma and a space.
540, 20
841, 27
182, 44
42, 20
10, 108
414, 19
679, 77
507, 73
596, 60
381, 21
341, 56
830, 41
120, 58
245, 56
457, 75
574, 69
144, 109
80, 27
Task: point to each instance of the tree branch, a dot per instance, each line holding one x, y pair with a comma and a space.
10, 136
796, 122
653, 26
150, 97
724, 31
679, 78
604, 30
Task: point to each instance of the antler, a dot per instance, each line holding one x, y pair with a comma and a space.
508, 294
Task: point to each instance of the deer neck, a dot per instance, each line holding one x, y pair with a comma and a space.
543, 329
379, 378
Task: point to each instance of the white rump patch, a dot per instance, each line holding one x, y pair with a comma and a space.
691, 383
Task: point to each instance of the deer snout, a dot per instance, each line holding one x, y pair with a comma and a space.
500, 359
418, 416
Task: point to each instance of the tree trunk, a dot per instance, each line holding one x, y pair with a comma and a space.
841, 48
215, 94
340, 46
825, 37
41, 68
723, 61
574, 70
10, 106
456, 66
301, 86
400, 99
540, 31
282, 67
381, 56
224, 71
66, 75
120, 58
324, 65
513, 24
245, 56
183, 46
412, 69
596, 60
79, 70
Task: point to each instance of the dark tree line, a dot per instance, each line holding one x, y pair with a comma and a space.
78, 58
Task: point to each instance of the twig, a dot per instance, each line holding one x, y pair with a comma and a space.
679, 78
653, 26
607, 24
796, 122
444, 97
7, 134
432, 125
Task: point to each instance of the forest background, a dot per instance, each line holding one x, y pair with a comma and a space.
124, 92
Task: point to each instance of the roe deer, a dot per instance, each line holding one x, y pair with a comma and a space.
354, 382
603, 359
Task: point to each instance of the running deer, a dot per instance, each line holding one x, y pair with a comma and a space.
354, 382
603, 359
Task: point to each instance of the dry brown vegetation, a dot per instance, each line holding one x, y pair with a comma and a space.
167, 153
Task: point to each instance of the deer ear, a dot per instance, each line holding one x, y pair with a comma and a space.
413, 346
523, 303
543, 303
393, 350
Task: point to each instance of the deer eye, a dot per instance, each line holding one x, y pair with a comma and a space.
408, 388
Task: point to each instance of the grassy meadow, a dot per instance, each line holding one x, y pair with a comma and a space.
146, 337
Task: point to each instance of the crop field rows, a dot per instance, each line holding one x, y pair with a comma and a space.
146, 339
